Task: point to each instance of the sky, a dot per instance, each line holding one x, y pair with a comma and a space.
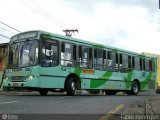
129, 24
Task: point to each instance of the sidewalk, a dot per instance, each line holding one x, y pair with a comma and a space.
155, 105
149, 110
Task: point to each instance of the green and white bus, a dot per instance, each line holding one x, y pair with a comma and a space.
44, 61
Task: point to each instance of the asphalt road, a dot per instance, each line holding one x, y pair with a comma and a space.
91, 106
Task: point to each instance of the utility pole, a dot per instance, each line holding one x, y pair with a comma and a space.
70, 31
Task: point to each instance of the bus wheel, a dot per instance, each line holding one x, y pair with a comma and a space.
43, 92
110, 92
70, 86
134, 89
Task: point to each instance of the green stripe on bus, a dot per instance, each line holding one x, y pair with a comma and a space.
78, 71
100, 81
128, 79
148, 78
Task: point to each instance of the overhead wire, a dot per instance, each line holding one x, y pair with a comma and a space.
7, 36
9, 26
39, 10
32, 5
4, 36
7, 30
55, 18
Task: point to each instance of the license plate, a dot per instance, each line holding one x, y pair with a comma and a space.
15, 84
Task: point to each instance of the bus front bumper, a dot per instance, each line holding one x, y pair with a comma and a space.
27, 83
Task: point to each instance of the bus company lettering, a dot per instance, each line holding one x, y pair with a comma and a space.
104, 77
88, 71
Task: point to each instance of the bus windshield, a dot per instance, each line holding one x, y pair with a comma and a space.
23, 54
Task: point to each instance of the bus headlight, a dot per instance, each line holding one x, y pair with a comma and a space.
30, 77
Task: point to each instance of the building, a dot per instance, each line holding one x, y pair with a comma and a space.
3, 61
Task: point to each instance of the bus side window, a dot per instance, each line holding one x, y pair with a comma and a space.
147, 65
133, 63
104, 60
150, 65
112, 59
49, 53
124, 63
98, 59
85, 57
117, 62
68, 54
142, 64
120, 61
109, 61
129, 63
137, 63
75, 55
80, 56
144, 67
90, 58
62, 54
153, 64
95, 58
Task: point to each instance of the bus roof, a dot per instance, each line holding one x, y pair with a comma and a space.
97, 45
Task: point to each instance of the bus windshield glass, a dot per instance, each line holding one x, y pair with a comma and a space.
23, 54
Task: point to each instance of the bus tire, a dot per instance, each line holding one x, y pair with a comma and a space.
110, 92
43, 92
134, 88
70, 86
